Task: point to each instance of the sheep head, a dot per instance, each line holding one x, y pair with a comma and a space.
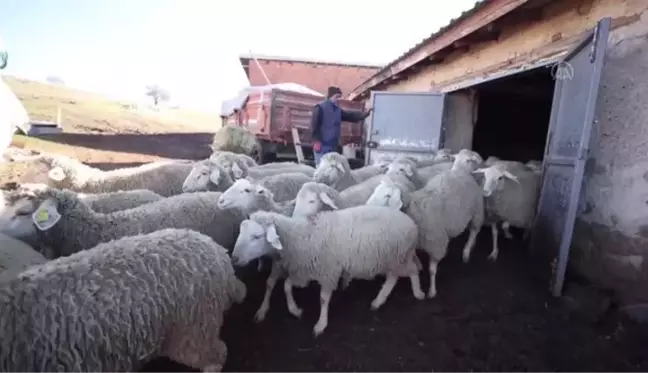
254, 241
206, 176
494, 178
28, 207
386, 194
331, 169
314, 197
467, 159
243, 195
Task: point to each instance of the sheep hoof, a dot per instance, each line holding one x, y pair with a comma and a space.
508, 235
375, 305
318, 329
213, 368
466, 257
419, 295
259, 316
296, 311
493, 256
431, 294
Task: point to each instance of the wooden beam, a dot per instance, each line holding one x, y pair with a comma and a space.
488, 13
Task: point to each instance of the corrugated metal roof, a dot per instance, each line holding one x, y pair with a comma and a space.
308, 60
465, 14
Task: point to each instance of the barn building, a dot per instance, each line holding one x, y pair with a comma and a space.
565, 81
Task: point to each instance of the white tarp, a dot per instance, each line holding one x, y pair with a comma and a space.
237, 103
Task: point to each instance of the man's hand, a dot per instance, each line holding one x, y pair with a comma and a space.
317, 146
367, 112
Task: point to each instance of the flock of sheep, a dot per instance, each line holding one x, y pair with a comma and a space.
104, 270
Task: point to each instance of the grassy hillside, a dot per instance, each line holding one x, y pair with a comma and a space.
106, 133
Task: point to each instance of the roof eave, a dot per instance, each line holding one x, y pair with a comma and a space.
484, 13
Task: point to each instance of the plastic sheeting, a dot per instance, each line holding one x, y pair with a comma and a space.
238, 102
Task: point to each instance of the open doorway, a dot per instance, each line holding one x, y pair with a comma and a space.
513, 116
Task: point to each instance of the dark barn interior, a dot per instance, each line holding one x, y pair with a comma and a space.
513, 116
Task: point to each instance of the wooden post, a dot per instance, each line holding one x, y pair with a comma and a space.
298, 148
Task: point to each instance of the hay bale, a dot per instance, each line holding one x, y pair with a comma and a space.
235, 139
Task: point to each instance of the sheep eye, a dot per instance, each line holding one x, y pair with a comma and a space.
247, 190
388, 195
257, 236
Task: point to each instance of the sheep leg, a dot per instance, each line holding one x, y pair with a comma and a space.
495, 251
507, 232
260, 265
290, 300
417, 262
472, 237
275, 273
322, 322
217, 366
384, 292
346, 281
433, 265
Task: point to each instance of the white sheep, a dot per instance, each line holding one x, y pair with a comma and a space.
447, 205
67, 225
315, 197
164, 177
360, 242
511, 198
248, 197
285, 186
428, 172
237, 168
408, 168
207, 176
16, 256
367, 172
334, 171
442, 155
119, 304
121, 200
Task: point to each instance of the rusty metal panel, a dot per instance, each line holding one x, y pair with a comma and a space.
578, 77
409, 123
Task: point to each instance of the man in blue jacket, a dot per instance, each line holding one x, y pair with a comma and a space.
326, 123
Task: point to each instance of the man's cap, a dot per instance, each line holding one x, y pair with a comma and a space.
332, 91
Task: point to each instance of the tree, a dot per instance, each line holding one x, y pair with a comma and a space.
157, 93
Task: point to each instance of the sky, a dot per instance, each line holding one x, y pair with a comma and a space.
191, 47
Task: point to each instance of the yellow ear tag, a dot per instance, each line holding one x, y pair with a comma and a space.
43, 216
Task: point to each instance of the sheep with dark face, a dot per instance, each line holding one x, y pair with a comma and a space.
114, 306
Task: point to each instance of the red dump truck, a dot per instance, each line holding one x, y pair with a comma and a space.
281, 121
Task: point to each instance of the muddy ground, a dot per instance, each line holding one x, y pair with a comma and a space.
487, 317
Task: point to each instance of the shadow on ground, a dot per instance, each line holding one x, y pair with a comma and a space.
486, 317
167, 145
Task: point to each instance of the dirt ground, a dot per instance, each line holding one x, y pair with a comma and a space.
487, 317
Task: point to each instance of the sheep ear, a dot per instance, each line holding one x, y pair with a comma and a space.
214, 176
327, 200
273, 237
340, 167
408, 171
56, 174
237, 171
46, 215
511, 176
395, 201
479, 171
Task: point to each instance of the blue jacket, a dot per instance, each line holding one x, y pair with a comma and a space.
326, 122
